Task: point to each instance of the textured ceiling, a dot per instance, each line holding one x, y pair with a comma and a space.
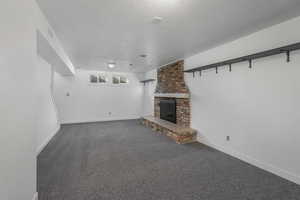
95, 32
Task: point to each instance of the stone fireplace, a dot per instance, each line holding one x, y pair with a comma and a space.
172, 104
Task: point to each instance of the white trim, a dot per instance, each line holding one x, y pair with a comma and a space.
47, 140
173, 95
98, 120
265, 166
35, 196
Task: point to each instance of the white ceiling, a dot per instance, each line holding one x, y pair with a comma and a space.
95, 32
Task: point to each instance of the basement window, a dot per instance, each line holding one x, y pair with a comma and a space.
123, 79
119, 80
102, 79
96, 78
116, 79
93, 79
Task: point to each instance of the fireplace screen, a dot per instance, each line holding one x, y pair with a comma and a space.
168, 110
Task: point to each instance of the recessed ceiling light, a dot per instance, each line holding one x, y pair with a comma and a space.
157, 20
111, 65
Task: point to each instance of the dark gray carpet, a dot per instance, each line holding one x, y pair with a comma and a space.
125, 161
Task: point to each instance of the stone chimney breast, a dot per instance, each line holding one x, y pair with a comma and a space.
170, 79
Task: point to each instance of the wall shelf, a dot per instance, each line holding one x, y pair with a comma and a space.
249, 58
147, 81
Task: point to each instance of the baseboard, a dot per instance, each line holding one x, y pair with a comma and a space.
98, 120
35, 196
47, 140
265, 166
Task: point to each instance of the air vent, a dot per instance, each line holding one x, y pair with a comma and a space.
143, 55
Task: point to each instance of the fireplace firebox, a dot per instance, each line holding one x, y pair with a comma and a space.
168, 109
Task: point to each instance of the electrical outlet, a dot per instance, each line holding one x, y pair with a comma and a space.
228, 138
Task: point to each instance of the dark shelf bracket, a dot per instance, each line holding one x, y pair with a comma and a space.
285, 49
147, 81
288, 59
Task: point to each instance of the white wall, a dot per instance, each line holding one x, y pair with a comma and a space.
18, 89
49, 50
27, 112
258, 108
148, 93
47, 120
89, 103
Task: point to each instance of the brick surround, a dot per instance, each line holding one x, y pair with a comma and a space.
182, 110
